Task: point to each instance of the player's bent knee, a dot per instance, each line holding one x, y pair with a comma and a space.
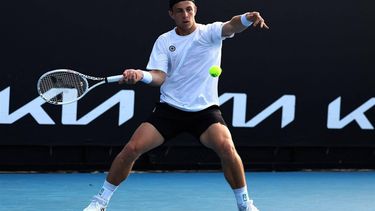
227, 150
130, 151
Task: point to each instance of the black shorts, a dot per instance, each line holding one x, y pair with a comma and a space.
170, 121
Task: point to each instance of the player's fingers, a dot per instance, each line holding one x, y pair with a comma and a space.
125, 74
250, 16
256, 22
264, 25
254, 14
131, 77
134, 77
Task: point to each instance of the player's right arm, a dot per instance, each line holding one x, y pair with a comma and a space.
132, 76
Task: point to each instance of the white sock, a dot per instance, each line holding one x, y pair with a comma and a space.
107, 191
241, 195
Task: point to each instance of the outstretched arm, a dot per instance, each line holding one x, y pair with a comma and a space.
153, 77
236, 25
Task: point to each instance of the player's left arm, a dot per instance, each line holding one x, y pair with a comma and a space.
240, 22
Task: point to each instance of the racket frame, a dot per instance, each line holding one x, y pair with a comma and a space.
102, 80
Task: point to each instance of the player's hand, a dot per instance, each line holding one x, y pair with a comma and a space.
256, 19
131, 76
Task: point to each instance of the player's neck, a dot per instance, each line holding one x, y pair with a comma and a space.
186, 31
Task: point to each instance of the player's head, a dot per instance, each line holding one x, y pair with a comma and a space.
183, 13
173, 2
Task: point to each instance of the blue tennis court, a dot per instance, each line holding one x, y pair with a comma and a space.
289, 191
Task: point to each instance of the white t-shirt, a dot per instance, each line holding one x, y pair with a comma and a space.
186, 61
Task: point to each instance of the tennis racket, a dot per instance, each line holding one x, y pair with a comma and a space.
63, 86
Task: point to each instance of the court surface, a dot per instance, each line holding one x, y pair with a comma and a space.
280, 191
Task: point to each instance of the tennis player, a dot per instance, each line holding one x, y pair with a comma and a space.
179, 63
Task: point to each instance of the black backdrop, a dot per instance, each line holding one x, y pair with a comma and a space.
316, 52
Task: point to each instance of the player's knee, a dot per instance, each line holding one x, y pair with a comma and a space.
130, 151
227, 150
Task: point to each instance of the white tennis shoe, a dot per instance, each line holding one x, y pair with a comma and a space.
97, 204
249, 206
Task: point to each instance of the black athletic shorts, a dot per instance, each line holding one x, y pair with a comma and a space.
170, 121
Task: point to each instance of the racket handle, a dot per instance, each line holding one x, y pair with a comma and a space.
112, 79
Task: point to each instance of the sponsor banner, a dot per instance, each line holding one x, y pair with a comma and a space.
304, 82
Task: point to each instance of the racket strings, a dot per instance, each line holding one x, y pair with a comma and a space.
62, 81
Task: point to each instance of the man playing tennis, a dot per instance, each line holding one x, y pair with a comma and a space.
179, 63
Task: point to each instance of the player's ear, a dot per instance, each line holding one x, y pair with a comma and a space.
170, 12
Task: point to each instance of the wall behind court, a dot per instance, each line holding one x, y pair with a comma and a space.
306, 82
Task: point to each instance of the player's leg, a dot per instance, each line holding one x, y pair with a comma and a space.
145, 138
218, 138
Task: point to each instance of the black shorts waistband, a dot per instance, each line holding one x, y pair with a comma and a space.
176, 111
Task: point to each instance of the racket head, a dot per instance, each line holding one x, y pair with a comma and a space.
62, 86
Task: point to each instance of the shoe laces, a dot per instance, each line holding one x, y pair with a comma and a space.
248, 206
100, 200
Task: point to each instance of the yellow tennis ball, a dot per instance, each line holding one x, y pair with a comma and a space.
215, 71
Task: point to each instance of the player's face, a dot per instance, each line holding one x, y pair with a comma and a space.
183, 13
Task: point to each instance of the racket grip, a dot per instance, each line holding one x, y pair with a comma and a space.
112, 79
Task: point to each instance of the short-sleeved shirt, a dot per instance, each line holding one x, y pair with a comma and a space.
188, 86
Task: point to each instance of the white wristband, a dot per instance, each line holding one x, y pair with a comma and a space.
245, 21
147, 77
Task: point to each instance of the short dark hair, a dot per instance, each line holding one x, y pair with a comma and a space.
173, 2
